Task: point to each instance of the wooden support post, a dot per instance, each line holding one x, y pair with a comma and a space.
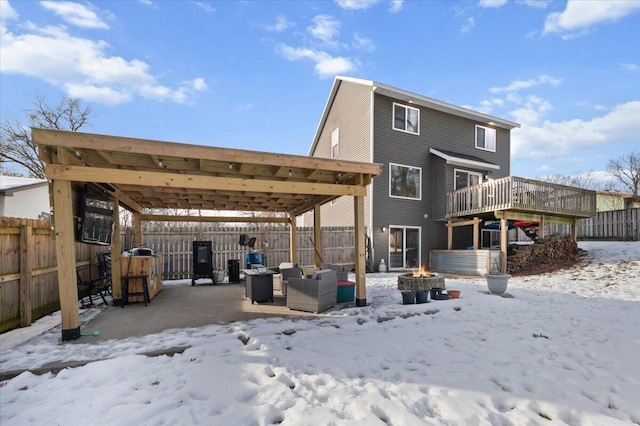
116, 256
449, 235
504, 244
66, 259
293, 246
26, 251
360, 249
137, 228
574, 230
476, 233
317, 236
542, 223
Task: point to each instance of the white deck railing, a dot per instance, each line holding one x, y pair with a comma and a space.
514, 193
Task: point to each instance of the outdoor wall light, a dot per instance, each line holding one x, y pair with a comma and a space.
384, 229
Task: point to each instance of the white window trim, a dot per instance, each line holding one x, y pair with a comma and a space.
393, 118
404, 248
495, 142
335, 141
455, 181
408, 167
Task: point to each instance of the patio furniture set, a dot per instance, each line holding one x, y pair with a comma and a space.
308, 289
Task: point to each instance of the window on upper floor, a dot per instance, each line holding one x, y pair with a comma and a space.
405, 181
406, 119
486, 138
464, 178
335, 140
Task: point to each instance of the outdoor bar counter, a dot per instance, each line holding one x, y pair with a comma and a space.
151, 266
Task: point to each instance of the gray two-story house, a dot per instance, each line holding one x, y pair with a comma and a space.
427, 148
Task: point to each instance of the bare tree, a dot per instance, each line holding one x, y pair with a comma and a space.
626, 169
578, 180
17, 147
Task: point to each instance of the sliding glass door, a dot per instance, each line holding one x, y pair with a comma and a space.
404, 247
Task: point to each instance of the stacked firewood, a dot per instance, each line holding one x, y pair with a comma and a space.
544, 255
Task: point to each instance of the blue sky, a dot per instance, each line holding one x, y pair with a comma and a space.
256, 74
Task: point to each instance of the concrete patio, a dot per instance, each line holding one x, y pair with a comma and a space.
184, 306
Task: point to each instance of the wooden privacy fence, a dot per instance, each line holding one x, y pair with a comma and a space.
175, 245
28, 264
28, 270
609, 225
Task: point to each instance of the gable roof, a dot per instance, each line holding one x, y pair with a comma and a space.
11, 184
409, 97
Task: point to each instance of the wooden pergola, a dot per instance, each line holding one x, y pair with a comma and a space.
140, 174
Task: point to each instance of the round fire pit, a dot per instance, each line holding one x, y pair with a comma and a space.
407, 282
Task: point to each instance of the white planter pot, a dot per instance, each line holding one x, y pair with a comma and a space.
497, 283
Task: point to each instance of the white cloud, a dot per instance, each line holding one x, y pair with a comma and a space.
280, 25
356, 4
325, 64
526, 84
6, 11
363, 43
468, 26
630, 67
91, 93
204, 6
245, 107
582, 15
325, 28
537, 4
75, 14
199, 84
396, 6
532, 111
84, 70
551, 139
492, 3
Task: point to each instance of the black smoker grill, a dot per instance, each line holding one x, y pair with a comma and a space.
202, 261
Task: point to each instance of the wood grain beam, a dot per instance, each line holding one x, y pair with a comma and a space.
160, 179
171, 149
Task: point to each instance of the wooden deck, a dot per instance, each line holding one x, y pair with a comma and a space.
521, 195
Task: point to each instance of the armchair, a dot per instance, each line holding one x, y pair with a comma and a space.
315, 294
287, 273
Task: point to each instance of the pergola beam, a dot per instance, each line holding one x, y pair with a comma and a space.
174, 180
214, 219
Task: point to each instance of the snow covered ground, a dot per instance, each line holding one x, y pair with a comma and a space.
565, 349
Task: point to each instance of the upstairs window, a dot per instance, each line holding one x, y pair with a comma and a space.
406, 119
335, 140
405, 181
486, 138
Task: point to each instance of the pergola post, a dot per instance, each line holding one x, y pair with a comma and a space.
137, 228
317, 235
116, 256
293, 246
66, 259
360, 253
504, 232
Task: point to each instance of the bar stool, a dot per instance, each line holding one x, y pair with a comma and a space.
125, 289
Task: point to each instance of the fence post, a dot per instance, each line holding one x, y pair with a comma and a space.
26, 248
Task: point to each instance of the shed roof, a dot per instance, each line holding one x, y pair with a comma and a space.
144, 173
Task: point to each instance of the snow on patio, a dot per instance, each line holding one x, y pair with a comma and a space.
565, 349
